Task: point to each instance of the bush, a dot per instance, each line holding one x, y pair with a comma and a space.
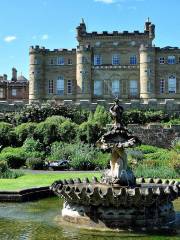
5, 172
30, 145
143, 170
102, 160
147, 149
24, 131
6, 134
67, 131
15, 157
89, 132
101, 116
46, 133
37, 113
35, 163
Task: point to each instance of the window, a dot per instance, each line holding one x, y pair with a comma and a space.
162, 60
52, 61
97, 60
133, 88
172, 84
51, 87
115, 88
149, 87
97, 87
14, 92
36, 61
162, 86
171, 59
60, 61
69, 61
115, 59
60, 86
1, 92
69, 87
179, 60
84, 60
133, 60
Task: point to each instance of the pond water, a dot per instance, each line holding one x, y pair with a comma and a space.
37, 221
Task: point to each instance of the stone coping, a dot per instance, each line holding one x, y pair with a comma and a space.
25, 195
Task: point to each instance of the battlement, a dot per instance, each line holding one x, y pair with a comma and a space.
39, 49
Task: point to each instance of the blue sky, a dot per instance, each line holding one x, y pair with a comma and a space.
52, 23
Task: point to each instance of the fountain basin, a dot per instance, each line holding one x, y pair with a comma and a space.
147, 204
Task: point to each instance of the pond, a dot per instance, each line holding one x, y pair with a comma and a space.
38, 221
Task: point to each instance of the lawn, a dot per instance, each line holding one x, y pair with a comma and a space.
39, 180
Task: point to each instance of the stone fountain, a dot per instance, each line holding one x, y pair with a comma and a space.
118, 200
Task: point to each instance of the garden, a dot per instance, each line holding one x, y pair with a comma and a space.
41, 134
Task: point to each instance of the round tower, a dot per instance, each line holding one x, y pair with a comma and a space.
146, 72
36, 74
83, 72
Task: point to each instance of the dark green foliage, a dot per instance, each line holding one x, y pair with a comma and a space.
46, 133
90, 132
30, 145
15, 157
5, 172
67, 131
81, 156
35, 163
6, 134
36, 113
23, 131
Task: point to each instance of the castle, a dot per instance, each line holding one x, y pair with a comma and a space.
105, 65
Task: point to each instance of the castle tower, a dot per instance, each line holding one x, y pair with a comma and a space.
36, 74
149, 28
147, 72
83, 67
83, 72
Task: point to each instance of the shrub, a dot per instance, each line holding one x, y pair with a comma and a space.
155, 172
24, 131
89, 132
46, 133
31, 145
35, 163
147, 149
15, 157
67, 130
102, 160
5, 172
101, 116
3, 167
6, 134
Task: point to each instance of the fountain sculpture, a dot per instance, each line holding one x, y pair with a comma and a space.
118, 200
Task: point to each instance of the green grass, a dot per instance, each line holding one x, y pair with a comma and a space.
39, 180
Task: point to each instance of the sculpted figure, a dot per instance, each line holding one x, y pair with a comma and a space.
115, 141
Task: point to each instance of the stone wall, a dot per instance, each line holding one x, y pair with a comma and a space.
156, 134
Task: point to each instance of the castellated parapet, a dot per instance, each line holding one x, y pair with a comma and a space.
105, 65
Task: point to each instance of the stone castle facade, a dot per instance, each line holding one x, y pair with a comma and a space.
105, 65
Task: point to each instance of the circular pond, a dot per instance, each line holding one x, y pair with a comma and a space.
38, 221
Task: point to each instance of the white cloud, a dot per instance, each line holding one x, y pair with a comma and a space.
9, 38
45, 36
105, 1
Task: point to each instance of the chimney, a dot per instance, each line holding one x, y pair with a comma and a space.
5, 77
14, 74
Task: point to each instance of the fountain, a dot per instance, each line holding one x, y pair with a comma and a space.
118, 200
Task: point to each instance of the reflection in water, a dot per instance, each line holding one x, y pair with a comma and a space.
36, 221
